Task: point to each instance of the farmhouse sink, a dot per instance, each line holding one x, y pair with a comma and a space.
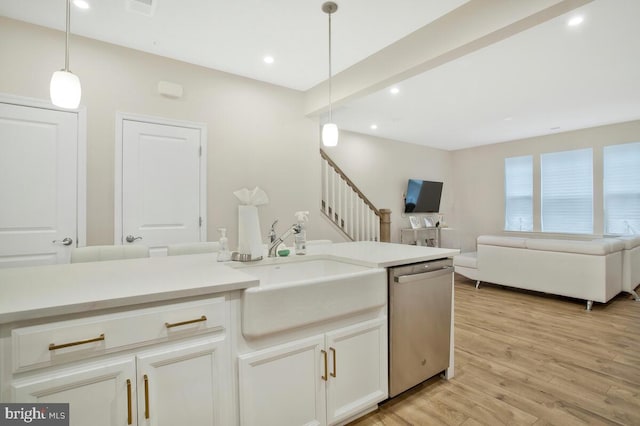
304, 272
298, 293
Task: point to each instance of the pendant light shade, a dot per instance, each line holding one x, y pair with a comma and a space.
330, 129
65, 89
330, 134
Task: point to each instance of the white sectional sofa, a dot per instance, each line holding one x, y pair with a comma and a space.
595, 270
631, 265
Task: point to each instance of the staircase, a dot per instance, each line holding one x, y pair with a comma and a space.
347, 207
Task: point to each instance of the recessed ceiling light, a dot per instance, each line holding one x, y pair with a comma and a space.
268, 59
374, 126
81, 4
576, 20
394, 90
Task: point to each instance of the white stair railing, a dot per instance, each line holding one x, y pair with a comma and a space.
347, 207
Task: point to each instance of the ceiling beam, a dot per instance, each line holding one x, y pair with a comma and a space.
471, 27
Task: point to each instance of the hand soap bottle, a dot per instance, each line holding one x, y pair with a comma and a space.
223, 254
301, 236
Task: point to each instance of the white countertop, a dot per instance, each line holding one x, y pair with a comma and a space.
382, 255
42, 291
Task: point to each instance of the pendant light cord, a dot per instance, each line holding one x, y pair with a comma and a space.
330, 121
66, 41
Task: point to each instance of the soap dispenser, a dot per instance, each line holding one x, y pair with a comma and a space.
301, 235
223, 254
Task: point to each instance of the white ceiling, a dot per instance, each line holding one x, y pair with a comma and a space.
235, 35
547, 77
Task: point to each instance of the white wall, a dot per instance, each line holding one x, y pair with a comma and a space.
257, 133
382, 167
478, 173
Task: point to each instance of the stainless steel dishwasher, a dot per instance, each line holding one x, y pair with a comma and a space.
419, 322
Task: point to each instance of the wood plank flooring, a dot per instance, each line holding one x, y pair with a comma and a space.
530, 359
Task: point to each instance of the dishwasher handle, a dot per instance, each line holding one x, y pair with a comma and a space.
422, 276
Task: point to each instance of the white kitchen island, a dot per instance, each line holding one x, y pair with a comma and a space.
159, 339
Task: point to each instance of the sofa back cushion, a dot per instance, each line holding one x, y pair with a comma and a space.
599, 247
496, 240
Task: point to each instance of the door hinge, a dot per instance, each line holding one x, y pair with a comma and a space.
200, 151
200, 221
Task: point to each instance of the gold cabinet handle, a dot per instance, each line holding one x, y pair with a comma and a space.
53, 346
333, 374
129, 419
324, 354
178, 324
146, 396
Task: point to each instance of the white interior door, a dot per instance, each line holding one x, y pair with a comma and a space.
162, 192
38, 185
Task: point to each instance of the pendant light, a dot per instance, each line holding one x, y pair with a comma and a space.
65, 87
330, 130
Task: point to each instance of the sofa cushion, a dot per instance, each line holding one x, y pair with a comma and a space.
466, 260
495, 240
600, 247
631, 241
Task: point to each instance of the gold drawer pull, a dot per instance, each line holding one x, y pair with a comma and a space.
129, 419
53, 346
178, 324
324, 376
146, 396
333, 374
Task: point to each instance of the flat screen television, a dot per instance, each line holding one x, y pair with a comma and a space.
423, 196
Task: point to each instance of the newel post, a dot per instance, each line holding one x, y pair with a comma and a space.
385, 225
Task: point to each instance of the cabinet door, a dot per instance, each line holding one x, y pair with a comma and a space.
283, 385
98, 394
185, 384
357, 368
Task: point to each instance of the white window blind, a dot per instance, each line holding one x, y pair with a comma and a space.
622, 189
518, 193
567, 191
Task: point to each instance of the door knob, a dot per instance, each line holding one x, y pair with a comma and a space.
65, 242
131, 238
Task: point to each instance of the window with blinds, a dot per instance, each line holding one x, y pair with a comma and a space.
622, 189
518, 193
567, 191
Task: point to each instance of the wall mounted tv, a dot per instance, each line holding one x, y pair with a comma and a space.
423, 196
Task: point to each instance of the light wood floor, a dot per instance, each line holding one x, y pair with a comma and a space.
530, 359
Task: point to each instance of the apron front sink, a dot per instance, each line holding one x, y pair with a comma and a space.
299, 293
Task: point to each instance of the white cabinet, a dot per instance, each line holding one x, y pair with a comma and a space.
65, 341
177, 384
283, 385
320, 380
98, 393
183, 385
358, 369
159, 366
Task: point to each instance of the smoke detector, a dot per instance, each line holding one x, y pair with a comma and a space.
144, 7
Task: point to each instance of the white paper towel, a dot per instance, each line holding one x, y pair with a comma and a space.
255, 197
249, 240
